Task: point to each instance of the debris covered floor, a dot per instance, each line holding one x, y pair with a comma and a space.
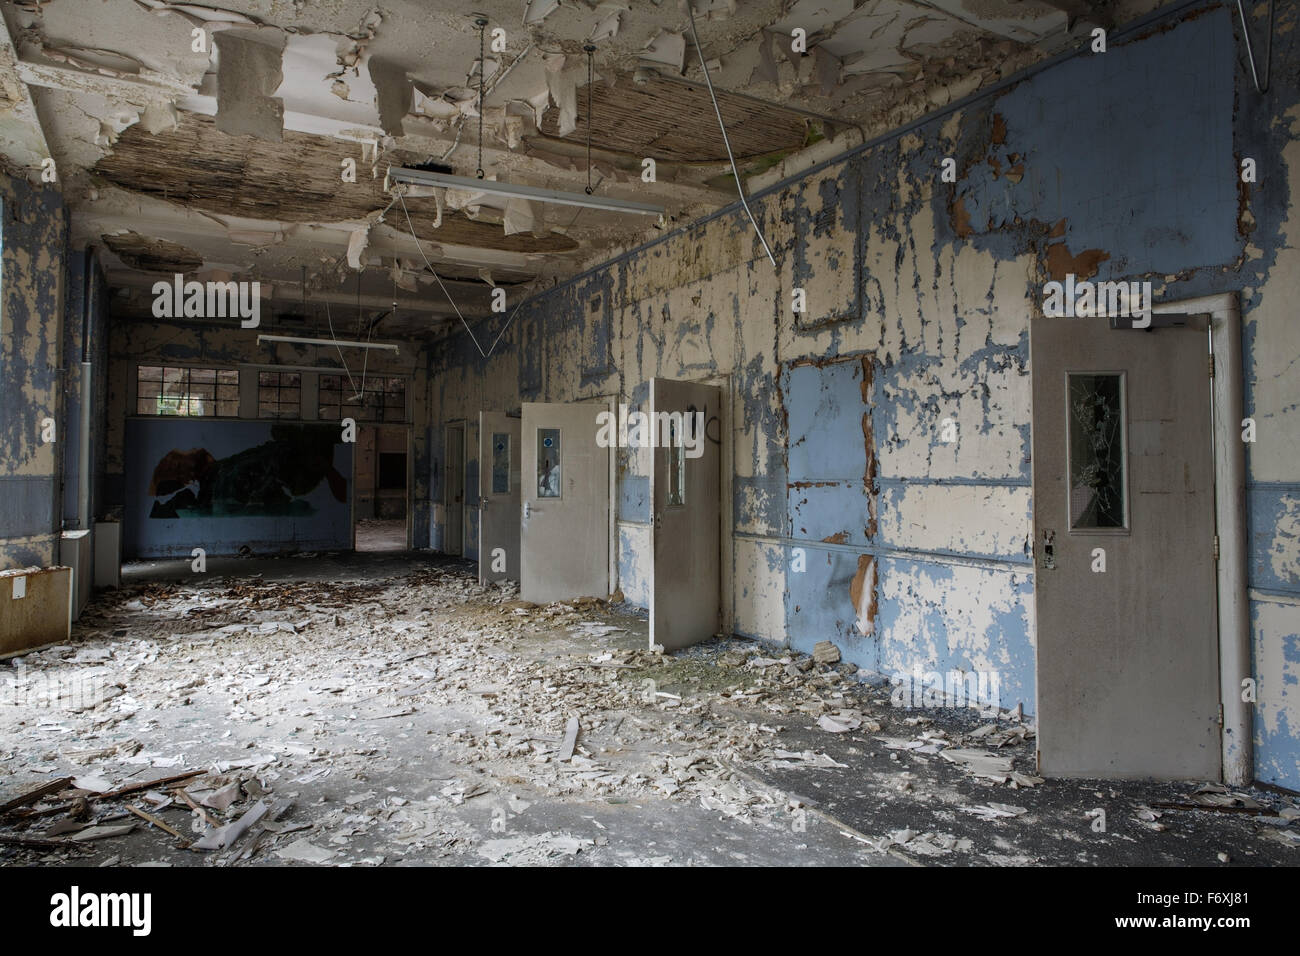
367, 710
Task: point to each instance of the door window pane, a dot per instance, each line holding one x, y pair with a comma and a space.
676, 464
500, 463
1097, 441
548, 463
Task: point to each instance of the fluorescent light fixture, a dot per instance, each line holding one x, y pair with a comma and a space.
385, 346
419, 177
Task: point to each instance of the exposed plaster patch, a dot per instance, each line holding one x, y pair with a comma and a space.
1085, 265
393, 94
248, 74
862, 592
153, 255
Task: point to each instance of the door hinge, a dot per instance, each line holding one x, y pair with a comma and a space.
1216, 547
1211, 365
1220, 715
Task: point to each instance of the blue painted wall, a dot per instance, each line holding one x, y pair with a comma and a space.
33, 236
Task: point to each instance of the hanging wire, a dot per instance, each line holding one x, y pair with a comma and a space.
472, 336
482, 72
591, 49
740, 188
1250, 52
347, 371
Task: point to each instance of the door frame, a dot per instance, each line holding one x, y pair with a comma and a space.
449, 428
1229, 451
1229, 463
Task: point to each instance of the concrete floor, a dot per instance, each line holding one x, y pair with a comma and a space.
391, 711
380, 534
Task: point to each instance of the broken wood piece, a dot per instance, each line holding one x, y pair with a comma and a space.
35, 843
194, 806
150, 818
570, 739
31, 796
147, 785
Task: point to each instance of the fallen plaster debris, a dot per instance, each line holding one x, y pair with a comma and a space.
435, 642
304, 851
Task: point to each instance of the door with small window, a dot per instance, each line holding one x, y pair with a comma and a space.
564, 521
685, 432
1124, 579
498, 488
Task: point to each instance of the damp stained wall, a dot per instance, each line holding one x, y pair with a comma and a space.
33, 237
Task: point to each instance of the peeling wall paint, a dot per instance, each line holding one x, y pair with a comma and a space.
33, 233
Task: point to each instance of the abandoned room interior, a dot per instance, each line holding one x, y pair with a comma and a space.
649, 433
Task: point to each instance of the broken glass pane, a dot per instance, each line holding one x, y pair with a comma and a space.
548, 463
1096, 437
676, 465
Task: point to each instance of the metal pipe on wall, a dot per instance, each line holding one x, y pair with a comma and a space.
87, 397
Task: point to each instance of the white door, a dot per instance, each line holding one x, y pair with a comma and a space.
685, 604
498, 490
1124, 584
564, 531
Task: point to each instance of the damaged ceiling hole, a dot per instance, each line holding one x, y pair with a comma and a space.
294, 181
153, 255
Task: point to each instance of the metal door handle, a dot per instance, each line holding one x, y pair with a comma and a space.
482, 504
1049, 550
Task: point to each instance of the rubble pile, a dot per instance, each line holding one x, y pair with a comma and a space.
368, 721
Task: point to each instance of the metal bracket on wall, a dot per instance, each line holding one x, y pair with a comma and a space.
1250, 52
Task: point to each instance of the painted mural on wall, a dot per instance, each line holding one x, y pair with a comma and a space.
274, 477
226, 485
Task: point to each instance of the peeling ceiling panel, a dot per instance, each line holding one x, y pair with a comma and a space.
674, 121
115, 91
153, 255
248, 73
298, 181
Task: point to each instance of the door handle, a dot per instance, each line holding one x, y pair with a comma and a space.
1049, 550
482, 504
659, 519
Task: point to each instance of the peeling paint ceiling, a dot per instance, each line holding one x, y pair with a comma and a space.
214, 135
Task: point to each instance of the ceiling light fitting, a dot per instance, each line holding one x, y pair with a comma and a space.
419, 177
383, 346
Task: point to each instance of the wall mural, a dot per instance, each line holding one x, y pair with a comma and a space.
235, 486
272, 478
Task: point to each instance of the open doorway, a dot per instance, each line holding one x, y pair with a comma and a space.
382, 500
